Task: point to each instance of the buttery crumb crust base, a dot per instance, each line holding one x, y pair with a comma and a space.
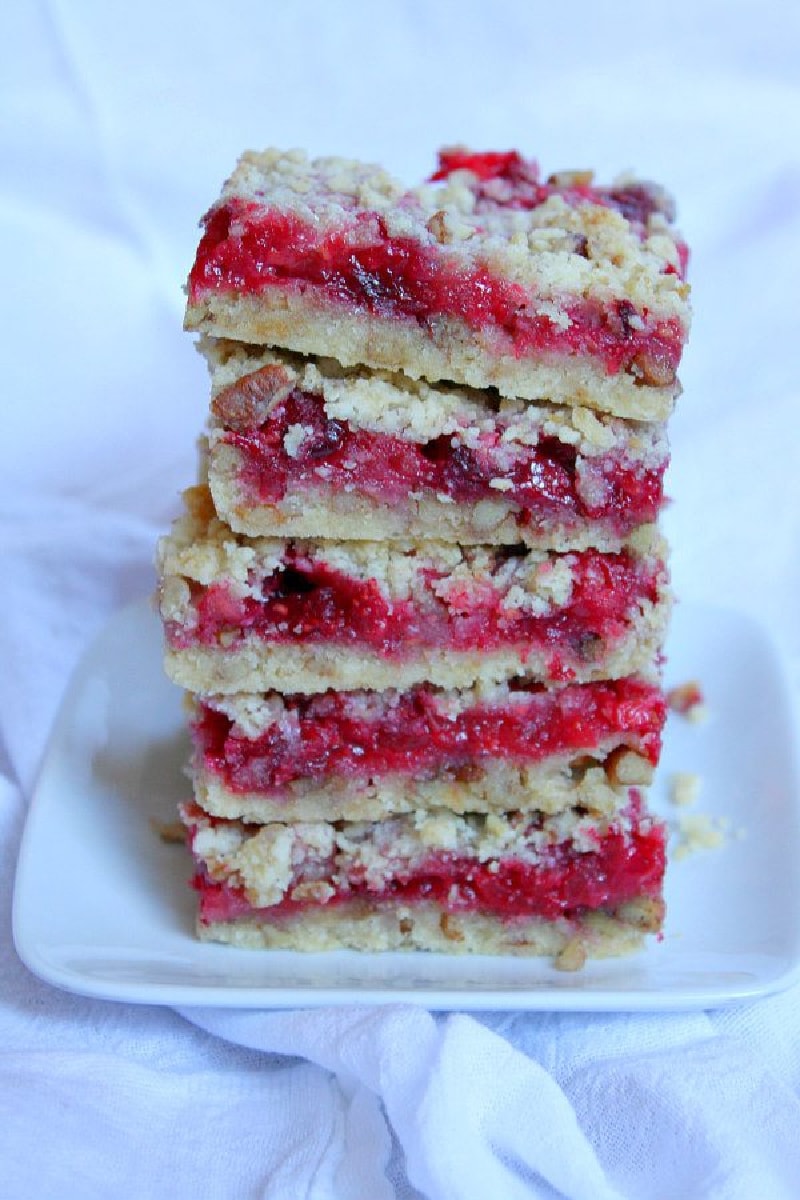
381, 928
323, 511
254, 665
492, 787
304, 448
488, 277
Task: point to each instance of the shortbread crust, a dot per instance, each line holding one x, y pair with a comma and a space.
494, 788
367, 927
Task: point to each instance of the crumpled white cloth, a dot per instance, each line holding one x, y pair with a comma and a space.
119, 125
594, 1108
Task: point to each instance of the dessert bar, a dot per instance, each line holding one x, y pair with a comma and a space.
304, 448
364, 754
487, 275
249, 614
518, 883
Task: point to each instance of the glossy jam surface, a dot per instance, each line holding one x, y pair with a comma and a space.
331, 735
625, 865
309, 601
247, 248
543, 479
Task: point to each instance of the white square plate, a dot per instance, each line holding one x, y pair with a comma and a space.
102, 905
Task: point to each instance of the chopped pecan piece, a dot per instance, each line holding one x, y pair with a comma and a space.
449, 930
199, 503
626, 767
247, 403
468, 772
645, 913
569, 179
653, 369
571, 957
437, 225
171, 832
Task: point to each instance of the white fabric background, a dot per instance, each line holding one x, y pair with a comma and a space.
117, 125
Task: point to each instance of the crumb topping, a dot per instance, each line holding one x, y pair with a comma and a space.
699, 831
275, 861
569, 244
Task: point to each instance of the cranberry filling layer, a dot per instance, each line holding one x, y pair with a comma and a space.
248, 248
542, 481
310, 602
334, 734
566, 883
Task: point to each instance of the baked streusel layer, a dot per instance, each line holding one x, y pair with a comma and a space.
304, 448
553, 290
365, 755
252, 615
486, 882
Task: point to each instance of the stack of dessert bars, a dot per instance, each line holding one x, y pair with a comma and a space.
418, 598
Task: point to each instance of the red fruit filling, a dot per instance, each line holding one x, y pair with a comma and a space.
488, 164
543, 480
308, 601
247, 248
565, 883
329, 734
